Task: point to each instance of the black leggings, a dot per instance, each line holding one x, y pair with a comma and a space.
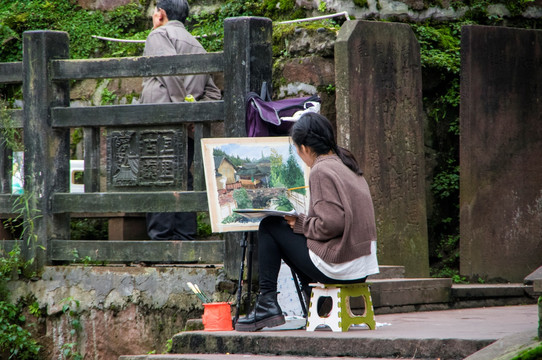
276, 241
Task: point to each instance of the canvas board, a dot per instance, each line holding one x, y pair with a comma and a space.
249, 173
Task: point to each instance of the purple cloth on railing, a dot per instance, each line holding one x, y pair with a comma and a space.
263, 118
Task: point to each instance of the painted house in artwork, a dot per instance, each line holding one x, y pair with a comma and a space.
225, 173
255, 175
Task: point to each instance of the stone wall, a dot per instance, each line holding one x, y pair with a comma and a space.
122, 310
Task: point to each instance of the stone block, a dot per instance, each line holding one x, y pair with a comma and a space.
501, 143
380, 119
487, 291
400, 292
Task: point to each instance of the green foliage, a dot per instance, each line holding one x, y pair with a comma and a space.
69, 350
14, 338
242, 199
70, 309
235, 160
34, 309
517, 7
322, 6
88, 229
276, 176
361, 3
446, 183
108, 97
11, 136
530, 354
169, 346
439, 46
204, 225
288, 174
76, 138
17, 16
87, 260
11, 265
293, 174
235, 217
439, 49
284, 204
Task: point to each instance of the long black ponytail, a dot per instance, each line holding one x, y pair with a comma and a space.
315, 131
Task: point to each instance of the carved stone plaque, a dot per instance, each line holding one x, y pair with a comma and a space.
145, 158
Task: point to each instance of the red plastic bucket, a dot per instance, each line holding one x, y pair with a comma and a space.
217, 316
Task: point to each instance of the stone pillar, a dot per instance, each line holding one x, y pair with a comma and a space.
248, 63
500, 153
47, 150
379, 118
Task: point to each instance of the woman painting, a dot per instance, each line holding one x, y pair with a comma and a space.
335, 242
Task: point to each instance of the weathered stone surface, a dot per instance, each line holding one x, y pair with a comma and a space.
379, 118
122, 310
501, 147
303, 42
410, 291
488, 291
103, 4
535, 275
315, 70
415, 10
308, 76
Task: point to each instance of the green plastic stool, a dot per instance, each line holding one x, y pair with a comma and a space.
340, 317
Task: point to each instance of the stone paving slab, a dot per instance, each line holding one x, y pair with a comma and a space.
507, 347
450, 334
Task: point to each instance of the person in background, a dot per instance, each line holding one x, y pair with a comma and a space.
170, 37
335, 242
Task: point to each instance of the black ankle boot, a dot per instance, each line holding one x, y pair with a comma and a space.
266, 313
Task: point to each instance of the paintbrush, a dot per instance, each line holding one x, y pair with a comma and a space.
202, 293
198, 294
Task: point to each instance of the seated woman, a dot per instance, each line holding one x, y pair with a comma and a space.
335, 242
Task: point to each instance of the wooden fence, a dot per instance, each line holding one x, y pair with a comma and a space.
46, 119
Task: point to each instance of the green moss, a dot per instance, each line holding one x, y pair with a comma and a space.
530, 354
361, 3
63, 15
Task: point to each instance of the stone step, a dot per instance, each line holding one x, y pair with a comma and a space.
319, 344
411, 291
484, 295
237, 357
450, 335
389, 272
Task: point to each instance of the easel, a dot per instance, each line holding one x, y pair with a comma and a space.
248, 243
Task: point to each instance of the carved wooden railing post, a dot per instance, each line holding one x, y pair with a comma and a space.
46, 165
248, 63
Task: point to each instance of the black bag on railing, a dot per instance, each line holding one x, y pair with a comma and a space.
265, 117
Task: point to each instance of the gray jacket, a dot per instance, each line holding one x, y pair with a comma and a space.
173, 39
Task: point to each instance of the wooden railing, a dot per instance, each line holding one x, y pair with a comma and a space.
46, 120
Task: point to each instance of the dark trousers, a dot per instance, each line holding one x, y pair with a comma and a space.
276, 241
175, 225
